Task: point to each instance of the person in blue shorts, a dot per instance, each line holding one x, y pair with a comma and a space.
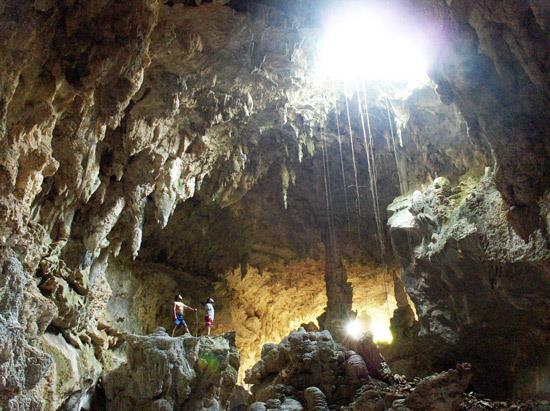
179, 310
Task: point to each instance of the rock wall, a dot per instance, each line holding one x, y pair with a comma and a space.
101, 111
473, 280
492, 63
23, 365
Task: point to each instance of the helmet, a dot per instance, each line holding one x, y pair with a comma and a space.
210, 300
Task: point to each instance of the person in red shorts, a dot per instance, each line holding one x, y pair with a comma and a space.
209, 315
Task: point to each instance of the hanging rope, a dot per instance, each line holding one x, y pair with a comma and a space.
369, 151
368, 142
402, 185
327, 186
358, 201
335, 101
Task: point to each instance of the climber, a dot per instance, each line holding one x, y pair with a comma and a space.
179, 309
209, 314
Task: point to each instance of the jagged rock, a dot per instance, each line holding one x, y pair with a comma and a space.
493, 37
463, 283
239, 400
113, 112
369, 400
69, 303
403, 323
174, 373
23, 311
310, 326
73, 374
257, 406
339, 291
303, 358
300, 360
441, 392
290, 404
372, 359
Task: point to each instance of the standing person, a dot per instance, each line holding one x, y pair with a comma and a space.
209, 314
179, 309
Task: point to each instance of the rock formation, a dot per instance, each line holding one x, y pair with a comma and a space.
303, 360
461, 263
149, 145
492, 64
261, 307
174, 373
339, 292
318, 373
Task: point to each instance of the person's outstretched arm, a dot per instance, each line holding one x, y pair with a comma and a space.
189, 308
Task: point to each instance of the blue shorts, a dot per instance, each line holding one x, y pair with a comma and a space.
179, 320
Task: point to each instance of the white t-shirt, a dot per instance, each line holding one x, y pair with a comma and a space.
209, 310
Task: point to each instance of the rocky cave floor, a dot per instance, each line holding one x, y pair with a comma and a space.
308, 371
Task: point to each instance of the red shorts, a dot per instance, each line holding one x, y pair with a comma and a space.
208, 322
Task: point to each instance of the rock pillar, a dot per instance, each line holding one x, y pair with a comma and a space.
339, 292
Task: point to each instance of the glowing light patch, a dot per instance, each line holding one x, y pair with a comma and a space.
354, 329
371, 44
381, 332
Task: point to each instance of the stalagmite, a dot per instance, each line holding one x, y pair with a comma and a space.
339, 291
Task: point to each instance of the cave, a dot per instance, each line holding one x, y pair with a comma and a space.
361, 187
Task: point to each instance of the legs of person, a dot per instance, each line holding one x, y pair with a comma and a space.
178, 321
208, 323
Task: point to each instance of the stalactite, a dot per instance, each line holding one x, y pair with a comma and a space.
285, 181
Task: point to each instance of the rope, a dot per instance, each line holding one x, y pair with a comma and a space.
327, 187
358, 203
369, 151
341, 156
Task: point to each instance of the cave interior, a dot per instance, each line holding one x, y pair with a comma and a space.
361, 187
